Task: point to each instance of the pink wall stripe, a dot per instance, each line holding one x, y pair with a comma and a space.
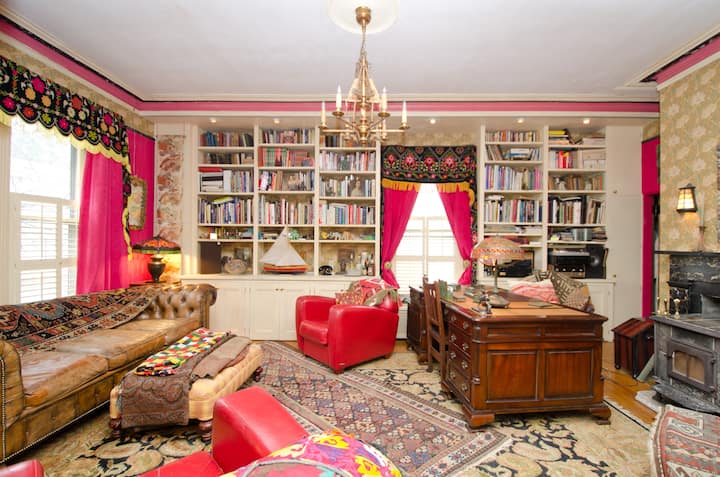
689, 61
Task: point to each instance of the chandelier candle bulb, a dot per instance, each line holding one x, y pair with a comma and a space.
322, 115
338, 99
403, 117
383, 101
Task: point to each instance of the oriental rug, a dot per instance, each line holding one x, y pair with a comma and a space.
371, 401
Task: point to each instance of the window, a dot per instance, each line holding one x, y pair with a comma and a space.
428, 245
43, 217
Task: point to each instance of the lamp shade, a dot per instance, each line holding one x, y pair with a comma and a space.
686, 199
494, 250
157, 245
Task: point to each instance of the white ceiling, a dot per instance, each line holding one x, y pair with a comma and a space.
443, 50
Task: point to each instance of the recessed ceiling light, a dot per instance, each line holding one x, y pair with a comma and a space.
520, 120
586, 121
276, 120
213, 120
432, 121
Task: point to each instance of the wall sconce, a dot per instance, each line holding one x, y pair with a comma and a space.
686, 199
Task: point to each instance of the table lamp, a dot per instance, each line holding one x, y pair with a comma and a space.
156, 247
493, 251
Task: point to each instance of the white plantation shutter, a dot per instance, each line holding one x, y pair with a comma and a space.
43, 213
428, 246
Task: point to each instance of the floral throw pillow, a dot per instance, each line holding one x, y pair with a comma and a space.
350, 297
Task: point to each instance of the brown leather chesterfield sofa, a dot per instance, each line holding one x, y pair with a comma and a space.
60, 358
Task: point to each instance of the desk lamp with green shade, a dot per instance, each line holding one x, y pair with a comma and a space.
494, 251
156, 247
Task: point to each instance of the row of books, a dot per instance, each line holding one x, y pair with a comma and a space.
226, 139
332, 213
225, 233
284, 157
578, 182
284, 211
288, 136
225, 180
233, 158
577, 159
225, 210
347, 161
508, 135
497, 152
286, 181
576, 210
349, 186
500, 209
511, 178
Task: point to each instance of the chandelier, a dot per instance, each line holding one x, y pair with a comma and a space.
367, 110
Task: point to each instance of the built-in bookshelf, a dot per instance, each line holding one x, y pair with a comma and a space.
512, 185
544, 189
253, 184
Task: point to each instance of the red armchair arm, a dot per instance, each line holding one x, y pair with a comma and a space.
357, 333
311, 308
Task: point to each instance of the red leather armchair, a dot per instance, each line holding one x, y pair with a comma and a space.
344, 335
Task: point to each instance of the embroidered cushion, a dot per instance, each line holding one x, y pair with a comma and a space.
331, 453
350, 297
571, 292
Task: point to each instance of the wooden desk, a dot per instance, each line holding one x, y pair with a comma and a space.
416, 325
524, 359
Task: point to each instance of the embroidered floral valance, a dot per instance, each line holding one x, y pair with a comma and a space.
429, 164
34, 99
94, 127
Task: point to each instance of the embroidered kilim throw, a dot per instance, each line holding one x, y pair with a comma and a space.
166, 362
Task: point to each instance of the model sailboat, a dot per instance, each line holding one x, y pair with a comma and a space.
282, 257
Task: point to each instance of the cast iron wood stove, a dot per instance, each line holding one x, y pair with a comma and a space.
687, 360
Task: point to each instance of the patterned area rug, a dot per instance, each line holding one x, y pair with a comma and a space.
568, 444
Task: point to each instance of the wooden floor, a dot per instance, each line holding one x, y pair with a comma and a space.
620, 386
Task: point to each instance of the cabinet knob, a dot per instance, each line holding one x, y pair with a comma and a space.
465, 346
453, 338
463, 364
453, 355
464, 387
465, 325
453, 375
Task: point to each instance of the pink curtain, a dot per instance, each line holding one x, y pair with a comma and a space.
397, 208
102, 250
457, 207
142, 162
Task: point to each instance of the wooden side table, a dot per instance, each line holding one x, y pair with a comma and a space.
634, 344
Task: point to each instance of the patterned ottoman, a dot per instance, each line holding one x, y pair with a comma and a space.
203, 392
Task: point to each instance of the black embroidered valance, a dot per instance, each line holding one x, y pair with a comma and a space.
429, 164
97, 129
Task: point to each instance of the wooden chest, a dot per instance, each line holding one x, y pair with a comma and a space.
634, 343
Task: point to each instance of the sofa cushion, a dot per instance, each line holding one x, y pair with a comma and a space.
120, 347
48, 374
173, 330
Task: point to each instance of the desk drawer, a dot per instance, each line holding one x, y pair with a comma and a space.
459, 324
459, 359
460, 340
459, 381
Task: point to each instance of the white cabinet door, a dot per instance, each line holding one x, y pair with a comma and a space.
273, 309
601, 294
231, 311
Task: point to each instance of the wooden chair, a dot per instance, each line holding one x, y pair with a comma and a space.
436, 343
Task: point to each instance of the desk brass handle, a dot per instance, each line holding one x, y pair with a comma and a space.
465, 346
453, 355
465, 325
464, 387
453, 338
453, 375
453, 319
463, 365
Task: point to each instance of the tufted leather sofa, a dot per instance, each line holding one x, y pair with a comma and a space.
44, 390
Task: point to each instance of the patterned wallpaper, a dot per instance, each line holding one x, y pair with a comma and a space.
46, 70
690, 134
168, 210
